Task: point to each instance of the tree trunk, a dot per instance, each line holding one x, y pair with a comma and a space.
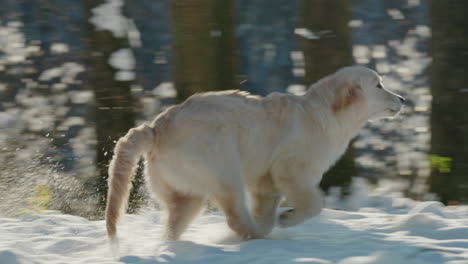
203, 44
114, 112
323, 56
449, 120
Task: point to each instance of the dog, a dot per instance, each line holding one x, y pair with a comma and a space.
224, 145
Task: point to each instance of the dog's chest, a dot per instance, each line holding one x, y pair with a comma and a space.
323, 154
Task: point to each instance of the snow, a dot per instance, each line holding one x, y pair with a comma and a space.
165, 90
395, 14
13, 44
109, 17
67, 72
392, 230
124, 61
296, 89
308, 34
59, 48
355, 23
397, 148
124, 76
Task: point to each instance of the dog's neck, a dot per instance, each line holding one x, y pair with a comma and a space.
349, 122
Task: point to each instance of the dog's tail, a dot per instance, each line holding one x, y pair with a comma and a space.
121, 169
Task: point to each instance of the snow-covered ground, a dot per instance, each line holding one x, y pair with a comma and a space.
383, 227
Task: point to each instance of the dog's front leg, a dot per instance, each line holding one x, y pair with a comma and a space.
265, 198
303, 195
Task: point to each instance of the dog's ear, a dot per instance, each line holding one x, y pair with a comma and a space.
346, 94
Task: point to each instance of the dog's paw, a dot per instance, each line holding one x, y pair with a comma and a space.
286, 218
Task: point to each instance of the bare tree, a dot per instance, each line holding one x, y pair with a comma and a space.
326, 52
449, 120
114, 113
204, 46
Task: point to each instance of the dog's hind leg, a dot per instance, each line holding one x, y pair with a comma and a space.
265, 198
237, 216
181, 209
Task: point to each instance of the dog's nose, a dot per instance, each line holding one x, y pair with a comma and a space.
402, 100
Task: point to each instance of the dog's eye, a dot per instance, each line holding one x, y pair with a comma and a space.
379, 86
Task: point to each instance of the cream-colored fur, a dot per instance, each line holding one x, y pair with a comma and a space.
224, 145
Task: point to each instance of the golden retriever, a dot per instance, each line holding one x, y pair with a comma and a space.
224, 145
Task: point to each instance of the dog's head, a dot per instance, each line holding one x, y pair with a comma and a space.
360, 89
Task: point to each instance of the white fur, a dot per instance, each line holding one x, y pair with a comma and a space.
223, 145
